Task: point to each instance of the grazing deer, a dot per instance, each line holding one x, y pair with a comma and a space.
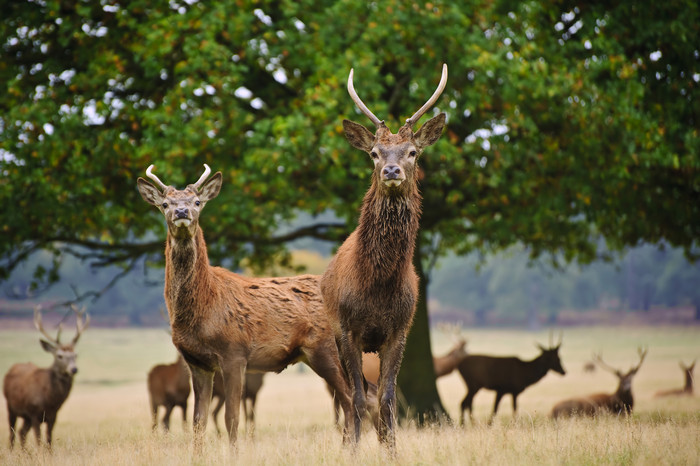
505, 375
620, 402
443, 365
224, 322
169, 386
253, 384
370, 287
36, 394
687, 390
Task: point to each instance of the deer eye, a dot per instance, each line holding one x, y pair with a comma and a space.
197, 203
165, 205
374, 155
412, 153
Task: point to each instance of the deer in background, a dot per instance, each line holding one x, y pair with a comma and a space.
221, 321
505, 375
620, 402
253, 384
443, 365
370, 288
687, 389
169, 386
36, 394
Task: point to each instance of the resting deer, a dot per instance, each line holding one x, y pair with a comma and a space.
169, 386
505, 375
687, 389
370, 287
620, 402
224, 322
36, 394
443, 365
253, 384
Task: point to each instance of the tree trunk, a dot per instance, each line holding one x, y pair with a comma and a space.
420, 399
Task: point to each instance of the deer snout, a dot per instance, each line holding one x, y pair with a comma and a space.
73, 370
182, 212
392, 175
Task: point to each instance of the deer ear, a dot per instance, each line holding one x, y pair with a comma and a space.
430, 132
149, 193
210, 189
48, 347
358, 136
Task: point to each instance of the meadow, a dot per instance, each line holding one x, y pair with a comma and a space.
106, 418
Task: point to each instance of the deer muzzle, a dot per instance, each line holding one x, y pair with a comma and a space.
392, 175
182, 217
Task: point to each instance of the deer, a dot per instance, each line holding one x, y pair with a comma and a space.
505, 375
168, 386
443, 365
620, 402
253, 384
687, 389
222, 321
36, 394
370, 287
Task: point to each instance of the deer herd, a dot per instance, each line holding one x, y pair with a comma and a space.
348, 325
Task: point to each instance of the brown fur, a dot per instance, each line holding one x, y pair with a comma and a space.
223, 321
370, 288
169, 386
253, 384
620, 402
505, 375
36, 394
687, 389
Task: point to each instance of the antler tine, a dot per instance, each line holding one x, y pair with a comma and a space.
39, 326
80, 323
149, 173
204, 176
597, 357
363, 108
642, 354
443, 81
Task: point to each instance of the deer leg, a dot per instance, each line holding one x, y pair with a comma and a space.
36, 427
184, 415
390, 363
499, 395
351, 358
215, 413
26, 425
13, 421
202, 384
515, 404
234, 376
166, 417
467, 404
50, 422
154, 415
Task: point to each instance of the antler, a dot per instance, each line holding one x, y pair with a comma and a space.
642, 354
351, 90
80, 323
204, 176
599, 359
39, 326
443, 81
149, 173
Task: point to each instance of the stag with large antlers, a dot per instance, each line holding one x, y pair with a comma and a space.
36, 394
223, 321
620, 402
370, 288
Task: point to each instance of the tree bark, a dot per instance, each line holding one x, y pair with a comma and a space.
420, 400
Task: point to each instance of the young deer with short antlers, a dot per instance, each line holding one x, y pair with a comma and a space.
223, 321
687, 389
36, 394
370, 287
620, 402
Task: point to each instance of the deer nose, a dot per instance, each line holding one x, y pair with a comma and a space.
182, 212
74, 370
391, 172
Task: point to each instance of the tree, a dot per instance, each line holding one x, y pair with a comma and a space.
566, 121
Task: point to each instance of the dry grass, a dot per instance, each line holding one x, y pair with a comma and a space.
106, 418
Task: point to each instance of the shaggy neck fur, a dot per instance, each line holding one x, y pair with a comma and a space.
61, 384
187, 279
387, 232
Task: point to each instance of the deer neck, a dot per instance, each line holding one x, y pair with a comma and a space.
387, 230
445, 364
187, 276
539, 369
688, 382
61, 384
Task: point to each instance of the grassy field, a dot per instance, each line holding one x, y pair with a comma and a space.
106, 419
